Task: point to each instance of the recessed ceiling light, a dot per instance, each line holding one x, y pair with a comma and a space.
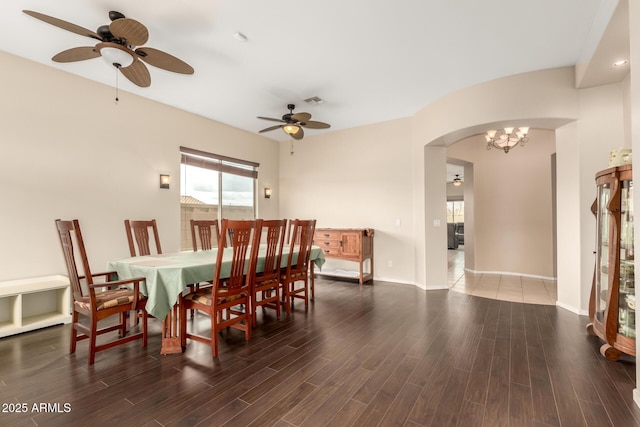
240, 37
620, 63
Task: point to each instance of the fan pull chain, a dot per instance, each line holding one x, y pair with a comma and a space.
117, 72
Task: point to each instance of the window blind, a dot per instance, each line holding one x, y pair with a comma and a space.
216, 162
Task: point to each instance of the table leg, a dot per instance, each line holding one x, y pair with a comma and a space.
170, 333
313, 283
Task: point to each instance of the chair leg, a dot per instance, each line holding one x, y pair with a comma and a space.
124, 319
74, 332
145, 335
254, 316
183, 324
92, 340
247, 327
286, 298
193, 288
214, 334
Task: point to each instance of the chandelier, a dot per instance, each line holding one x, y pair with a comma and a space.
507, 138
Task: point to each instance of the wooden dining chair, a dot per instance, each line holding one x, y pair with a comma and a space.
297, 270
231, 289
266, 284
204, 231
207, 233
138, 235
95, 303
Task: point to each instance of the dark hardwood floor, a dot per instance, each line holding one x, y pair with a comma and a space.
386, 354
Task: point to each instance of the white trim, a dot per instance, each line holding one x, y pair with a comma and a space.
437, 288
402, 282
509, 273
417, 285
571, 309
636, 397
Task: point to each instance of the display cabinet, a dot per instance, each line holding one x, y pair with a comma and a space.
612, 301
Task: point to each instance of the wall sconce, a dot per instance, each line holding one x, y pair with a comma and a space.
267, 192
165, 181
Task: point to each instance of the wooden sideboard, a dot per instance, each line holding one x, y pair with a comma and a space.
350, 244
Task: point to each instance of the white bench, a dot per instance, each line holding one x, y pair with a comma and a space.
29, 304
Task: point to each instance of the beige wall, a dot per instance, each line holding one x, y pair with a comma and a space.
513, 204
360, 178
68, 151
600, 130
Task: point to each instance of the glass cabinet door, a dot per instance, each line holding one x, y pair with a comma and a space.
626, 297
602, 253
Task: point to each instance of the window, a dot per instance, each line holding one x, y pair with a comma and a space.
214, 187
455, 211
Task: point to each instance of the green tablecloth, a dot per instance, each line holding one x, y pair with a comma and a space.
168, 275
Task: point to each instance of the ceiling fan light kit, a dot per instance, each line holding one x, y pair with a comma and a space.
291, 129
115, 54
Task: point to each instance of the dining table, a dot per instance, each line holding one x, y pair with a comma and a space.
168, 275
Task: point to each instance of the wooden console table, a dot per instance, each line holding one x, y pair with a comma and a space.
350, 244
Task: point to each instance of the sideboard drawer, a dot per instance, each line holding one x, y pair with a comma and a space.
331, 251
327, 243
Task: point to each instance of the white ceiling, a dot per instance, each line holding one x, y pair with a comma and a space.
370, 61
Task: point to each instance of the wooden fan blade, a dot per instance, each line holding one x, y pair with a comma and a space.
315, 125
299, 134
163, 60
138, 73
270, 128
301, 117
273, 120
63, 24
130, 30
76, 54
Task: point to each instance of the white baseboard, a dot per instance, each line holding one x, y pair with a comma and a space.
510, 273
402, 282
571, 309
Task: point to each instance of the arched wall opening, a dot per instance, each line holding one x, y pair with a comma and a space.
511, 211
545, 99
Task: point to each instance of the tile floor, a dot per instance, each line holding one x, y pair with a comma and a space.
503, 287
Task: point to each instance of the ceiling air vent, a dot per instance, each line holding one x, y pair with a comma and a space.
315, 100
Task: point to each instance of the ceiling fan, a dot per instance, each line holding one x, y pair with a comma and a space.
292, 124
119, 44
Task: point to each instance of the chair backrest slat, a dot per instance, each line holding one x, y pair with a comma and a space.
301, 239
68, 231
245, 236
203, 231
138, 232
273, 232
